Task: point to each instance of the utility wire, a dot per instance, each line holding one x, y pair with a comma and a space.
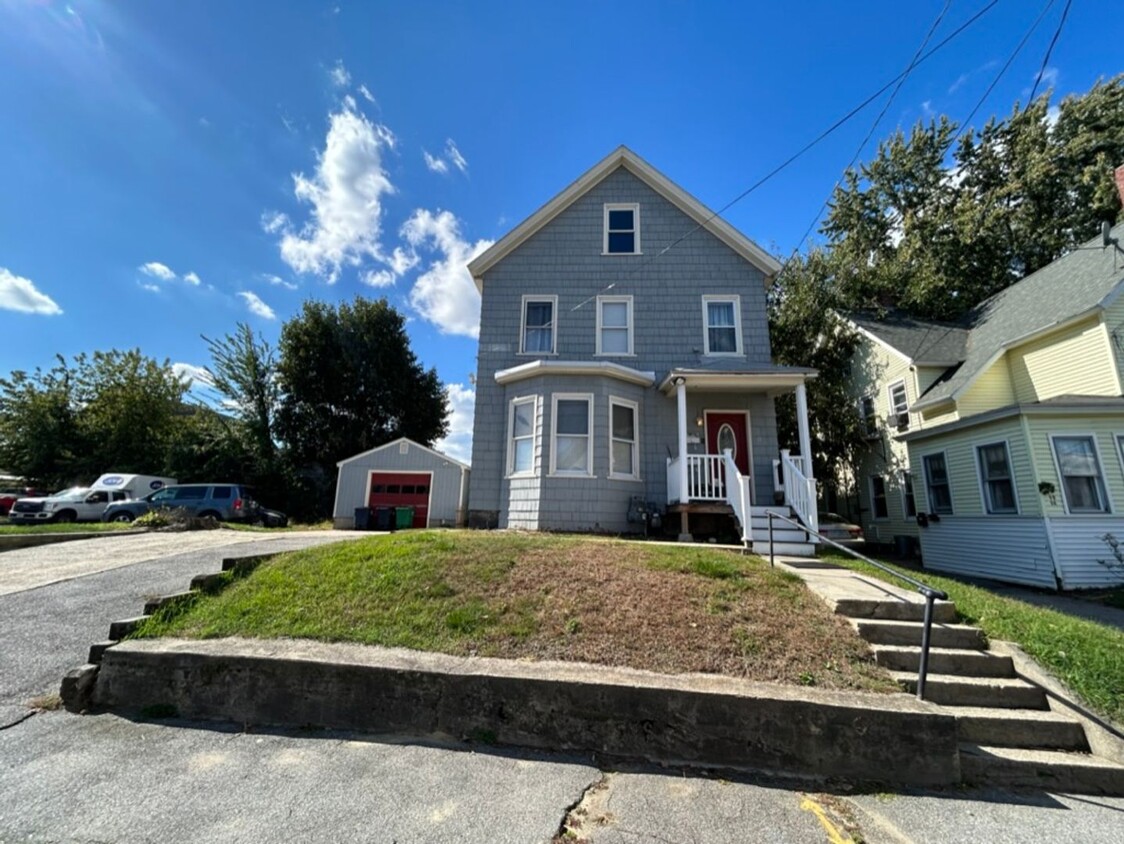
1049, 50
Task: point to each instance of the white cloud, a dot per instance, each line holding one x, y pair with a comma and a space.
346, 194
455, 156
462, 406
277, 281
1052, 115
366, 93
20, 294
340, 77
257, 306
445, 294
927, 109
194, 375
378, 278
193, 279
437, 165
1049, 79
151, 288
402, 261
157, 270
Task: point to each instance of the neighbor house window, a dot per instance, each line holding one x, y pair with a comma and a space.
521, 447
1080, 470
996, 478
622, 229
538, 325
614, 325
936, 483
623, 440
869, 417
909, 503
878, 497
571, 447
722, 315
899, 407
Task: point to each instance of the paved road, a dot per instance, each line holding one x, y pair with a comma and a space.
105, 778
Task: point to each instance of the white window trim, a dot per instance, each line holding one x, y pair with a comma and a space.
634, 207
985, 498
901, 480
885, 497
870, 426
627, 300
529, 297
1109, 507
617, 476
554, 471
534, 402
925, 477
737, 300
891, 413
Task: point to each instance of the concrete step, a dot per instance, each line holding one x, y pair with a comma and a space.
895, 610
1019, 728
887, 632
994, 692
762, 509
961, 662
787, 549
761, 534
1049, 770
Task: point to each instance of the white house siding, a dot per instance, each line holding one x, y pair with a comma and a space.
446, 487
1013, 549
1078, 546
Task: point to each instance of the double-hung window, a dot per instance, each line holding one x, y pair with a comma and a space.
909, 503
622, 229
1080, 470
614, 325
571, 447
878, 497
937, 484
868, 415
521, 445
623, 440
899, 407
996, 479
722, 316
539, 323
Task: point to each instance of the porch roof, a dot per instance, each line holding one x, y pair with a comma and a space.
769, 377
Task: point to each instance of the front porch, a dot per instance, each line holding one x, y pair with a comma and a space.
714, 472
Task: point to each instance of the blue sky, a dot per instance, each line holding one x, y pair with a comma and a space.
170, 169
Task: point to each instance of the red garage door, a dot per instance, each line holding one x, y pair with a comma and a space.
402, 489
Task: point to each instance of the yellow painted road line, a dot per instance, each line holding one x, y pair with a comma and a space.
834, 836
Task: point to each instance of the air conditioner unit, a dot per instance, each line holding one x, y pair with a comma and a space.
899, 421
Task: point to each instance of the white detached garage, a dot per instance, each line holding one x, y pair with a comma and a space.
403, 473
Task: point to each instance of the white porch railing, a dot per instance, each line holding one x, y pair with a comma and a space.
737, 494
712, 477
800, 489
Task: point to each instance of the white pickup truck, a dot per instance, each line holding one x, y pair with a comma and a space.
85, 504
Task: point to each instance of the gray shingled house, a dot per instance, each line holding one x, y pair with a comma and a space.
999, 442
625, 364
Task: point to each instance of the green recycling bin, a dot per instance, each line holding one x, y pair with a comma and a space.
404, 517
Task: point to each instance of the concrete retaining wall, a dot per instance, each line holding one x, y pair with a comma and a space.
698, 720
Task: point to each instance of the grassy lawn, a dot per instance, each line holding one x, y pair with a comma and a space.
1088, 656
72, 527
660, 607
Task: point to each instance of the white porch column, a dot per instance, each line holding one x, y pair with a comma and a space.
803, 431
684, 497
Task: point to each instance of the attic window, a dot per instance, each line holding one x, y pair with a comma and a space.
622, 229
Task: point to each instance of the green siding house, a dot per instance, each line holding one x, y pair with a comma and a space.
998, 443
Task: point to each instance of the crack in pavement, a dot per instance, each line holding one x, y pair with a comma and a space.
20, 720
569, 828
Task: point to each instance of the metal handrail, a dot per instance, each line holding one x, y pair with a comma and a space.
929, 592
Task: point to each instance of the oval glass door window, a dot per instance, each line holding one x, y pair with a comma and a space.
727, 440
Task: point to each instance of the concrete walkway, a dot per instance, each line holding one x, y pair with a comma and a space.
835, 583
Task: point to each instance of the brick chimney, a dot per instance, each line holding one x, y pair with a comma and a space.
1119, 174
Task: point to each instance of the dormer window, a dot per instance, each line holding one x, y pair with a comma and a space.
622, 229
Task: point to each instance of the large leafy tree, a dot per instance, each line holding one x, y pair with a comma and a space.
243, 374
349, 381
38, 425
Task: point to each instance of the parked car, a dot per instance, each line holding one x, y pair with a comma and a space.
272, 518
64, 506
226, 502
9, 496
835, 527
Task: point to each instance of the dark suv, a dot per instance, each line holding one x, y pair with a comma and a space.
225, 502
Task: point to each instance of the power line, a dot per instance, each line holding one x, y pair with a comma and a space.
1049, 50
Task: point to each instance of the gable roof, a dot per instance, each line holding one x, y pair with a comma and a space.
622, 156
918, 341
417, 445
1074, 286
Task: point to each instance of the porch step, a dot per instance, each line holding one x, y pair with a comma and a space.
761, 534
1026, 728
944, 612
786, 549
994, 692
761, 510
961, 662
1050, 770
887, 632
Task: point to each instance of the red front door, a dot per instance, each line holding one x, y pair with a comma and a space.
728, 431
402, 489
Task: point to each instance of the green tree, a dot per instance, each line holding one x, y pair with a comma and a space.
244, 375
38, 426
